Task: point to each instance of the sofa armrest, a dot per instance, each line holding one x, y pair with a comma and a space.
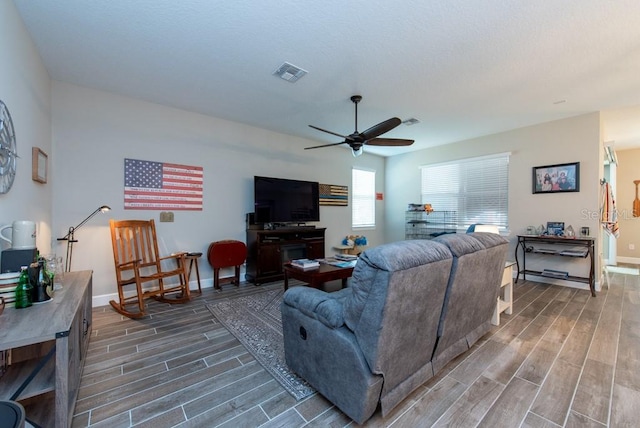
317, 304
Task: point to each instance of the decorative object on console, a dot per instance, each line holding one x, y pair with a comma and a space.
38, 165
69, 237
556, 178
332, 194
355, 243
23, 235
555, 228
369, 137
569, 232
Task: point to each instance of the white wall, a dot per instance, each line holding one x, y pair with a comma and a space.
87, 134
93, 132
627, 172
576, 139
25, 89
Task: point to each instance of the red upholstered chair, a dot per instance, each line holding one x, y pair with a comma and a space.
226, 253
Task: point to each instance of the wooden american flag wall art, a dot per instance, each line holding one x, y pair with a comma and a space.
162, 186
332, 194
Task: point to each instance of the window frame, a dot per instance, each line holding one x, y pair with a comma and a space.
358, 199
487, 203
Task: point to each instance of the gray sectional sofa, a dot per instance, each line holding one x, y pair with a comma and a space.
411, 307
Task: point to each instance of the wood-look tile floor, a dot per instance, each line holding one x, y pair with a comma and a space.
562, 358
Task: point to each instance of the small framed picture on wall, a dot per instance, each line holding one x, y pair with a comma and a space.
38, 165
563, 177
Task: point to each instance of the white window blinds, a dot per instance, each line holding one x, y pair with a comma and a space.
363, 203
476, 190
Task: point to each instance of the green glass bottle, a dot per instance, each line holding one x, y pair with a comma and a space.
23, 290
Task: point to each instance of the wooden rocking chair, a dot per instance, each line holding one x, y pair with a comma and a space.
137, 262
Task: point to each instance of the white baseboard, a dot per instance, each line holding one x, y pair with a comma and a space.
104, 299
632, 260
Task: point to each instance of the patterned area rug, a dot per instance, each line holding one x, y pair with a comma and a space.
256, 322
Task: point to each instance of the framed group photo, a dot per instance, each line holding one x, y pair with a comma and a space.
556, 178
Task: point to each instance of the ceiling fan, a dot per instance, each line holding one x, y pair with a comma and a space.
368, 137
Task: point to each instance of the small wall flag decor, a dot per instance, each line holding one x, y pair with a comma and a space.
331, 194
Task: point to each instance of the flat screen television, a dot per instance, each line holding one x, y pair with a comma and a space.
280, 200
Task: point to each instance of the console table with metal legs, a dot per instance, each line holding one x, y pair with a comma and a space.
579, 247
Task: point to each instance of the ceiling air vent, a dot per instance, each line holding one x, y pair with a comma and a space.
411, 121
289, 72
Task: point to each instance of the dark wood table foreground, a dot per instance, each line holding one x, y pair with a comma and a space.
318, 276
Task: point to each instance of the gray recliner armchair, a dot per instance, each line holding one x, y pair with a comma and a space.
372, 343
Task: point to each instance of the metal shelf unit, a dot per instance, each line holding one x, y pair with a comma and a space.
425, 225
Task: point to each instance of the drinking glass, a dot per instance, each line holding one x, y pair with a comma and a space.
59, 273
52, 268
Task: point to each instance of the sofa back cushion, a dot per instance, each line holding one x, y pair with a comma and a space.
395, 305
478, 264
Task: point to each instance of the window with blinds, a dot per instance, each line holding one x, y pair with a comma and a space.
363, 198
476, 190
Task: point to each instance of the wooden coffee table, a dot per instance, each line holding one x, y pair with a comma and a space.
318, 276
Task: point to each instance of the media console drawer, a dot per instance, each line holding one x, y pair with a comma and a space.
268, 250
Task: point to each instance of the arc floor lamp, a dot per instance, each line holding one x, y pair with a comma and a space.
70, 238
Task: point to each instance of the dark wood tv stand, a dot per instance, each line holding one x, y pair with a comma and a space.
268, 250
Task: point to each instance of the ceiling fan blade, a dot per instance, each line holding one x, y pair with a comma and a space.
332, 133
388, 142
325, 145
381, 128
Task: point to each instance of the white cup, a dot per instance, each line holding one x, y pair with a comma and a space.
23, 234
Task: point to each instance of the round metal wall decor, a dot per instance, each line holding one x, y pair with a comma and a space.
8, 153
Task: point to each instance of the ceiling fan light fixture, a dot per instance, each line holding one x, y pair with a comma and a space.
289, 72
368, 137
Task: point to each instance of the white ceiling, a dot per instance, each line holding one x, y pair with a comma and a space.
464, 68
